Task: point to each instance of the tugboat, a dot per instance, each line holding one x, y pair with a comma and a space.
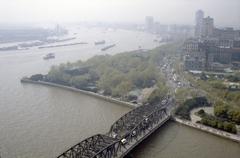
49, 56
100, 42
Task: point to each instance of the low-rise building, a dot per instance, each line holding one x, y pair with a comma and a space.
205, 54
221, 54
226, 33
194, 63
218, 67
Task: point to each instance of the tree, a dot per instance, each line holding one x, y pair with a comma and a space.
158, 94
213, 123
155, 97
218, 85
227, 126
188, 105
220, 109
201, 112
219, 125
37, 77
203, 76
80, 81
123, 88
236, 117
57, 75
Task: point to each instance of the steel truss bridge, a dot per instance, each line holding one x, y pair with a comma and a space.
123, 136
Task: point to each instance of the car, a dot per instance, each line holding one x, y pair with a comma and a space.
124, 141
164, 101
115, 135
146, 120
134, 133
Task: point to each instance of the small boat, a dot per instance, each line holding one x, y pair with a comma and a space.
49, 56
108, 47
100, 42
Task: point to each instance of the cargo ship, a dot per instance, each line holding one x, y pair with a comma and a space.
100, 42
49, 56
108, 47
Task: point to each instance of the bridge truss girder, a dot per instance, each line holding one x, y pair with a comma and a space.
131, 126
97, 146
132, 119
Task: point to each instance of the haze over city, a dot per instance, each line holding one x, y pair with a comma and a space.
119, 78
225, 12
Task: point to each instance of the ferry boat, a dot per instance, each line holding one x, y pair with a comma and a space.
100, 42
49, 56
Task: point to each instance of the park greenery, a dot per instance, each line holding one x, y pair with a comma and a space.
115, 75
225, 118
183, 111
182, 94
217, 87
216, 122
227, 112
234, 78
225, 100
158, 93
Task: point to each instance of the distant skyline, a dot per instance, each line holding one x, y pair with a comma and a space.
224, 12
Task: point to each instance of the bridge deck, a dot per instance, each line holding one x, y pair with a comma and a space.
124, 134
134, 143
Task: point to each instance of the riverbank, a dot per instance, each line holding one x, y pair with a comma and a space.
113, 100
62, 45
208, 130
107, 98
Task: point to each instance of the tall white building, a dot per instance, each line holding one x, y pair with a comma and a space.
204, 27
207, 27
198, 23
149, 23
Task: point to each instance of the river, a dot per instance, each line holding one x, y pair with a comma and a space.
41, 122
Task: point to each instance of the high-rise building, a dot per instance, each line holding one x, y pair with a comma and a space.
213, 49
204, 27
207, 27
149, 23
198, 25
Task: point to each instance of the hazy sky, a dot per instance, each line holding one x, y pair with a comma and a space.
225, 12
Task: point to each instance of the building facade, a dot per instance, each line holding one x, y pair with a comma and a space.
204, 27
198, 23
212, 48
207, 27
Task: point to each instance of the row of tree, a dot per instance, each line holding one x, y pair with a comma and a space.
216, 122
183, 111
227, 112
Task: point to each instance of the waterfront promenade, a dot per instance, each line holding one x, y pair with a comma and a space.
204, 128
207, 129
107, 98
